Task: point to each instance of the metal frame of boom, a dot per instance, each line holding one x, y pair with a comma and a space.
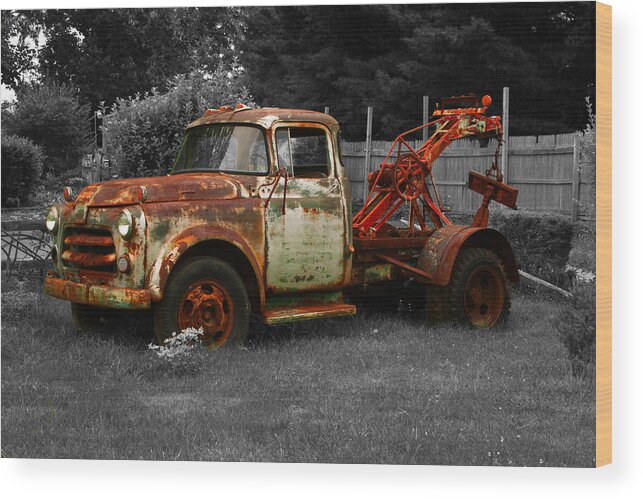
404, 179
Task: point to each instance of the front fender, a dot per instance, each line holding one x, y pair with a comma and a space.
443, 247
172, 251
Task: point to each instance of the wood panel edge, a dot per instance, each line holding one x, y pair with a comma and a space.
603, 234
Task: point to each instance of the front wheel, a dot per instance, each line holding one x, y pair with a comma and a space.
479, 293
207, 293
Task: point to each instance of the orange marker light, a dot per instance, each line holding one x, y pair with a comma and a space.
486, 100
141, 193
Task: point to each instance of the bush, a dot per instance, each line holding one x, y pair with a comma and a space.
588, 164
51, 116
21, 168
50, 191
145, 132
541, 242
577, 329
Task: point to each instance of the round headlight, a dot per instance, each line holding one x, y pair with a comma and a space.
125, 224
52, 220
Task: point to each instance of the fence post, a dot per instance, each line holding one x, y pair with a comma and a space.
504, 166
367, 162
327, 110
425, 117
576, 179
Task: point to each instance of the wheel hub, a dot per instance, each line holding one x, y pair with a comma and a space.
484, 297
207, 305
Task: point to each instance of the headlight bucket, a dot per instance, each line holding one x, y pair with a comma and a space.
51, 222
125, 224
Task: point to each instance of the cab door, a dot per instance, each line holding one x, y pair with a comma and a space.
305, 230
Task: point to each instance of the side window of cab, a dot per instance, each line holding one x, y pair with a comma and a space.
303, 151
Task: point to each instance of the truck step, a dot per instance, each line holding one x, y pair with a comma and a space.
282, 315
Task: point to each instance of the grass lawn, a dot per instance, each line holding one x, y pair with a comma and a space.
371, 389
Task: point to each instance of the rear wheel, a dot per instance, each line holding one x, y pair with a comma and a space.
207, 293
479, 293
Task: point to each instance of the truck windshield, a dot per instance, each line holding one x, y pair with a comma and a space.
234, 148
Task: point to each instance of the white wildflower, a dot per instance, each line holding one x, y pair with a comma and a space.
180, 350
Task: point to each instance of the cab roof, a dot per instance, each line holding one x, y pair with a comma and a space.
265, 117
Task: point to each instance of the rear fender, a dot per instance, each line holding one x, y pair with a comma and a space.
172, 251
443, 247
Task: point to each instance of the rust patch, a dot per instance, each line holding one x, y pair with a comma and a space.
440, 252
244, 235
89, 240
295, 314
97, 295
184, 186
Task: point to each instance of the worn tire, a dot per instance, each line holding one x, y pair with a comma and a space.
86, 317
204, 292
479, 294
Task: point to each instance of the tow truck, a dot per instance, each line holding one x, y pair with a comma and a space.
256, 218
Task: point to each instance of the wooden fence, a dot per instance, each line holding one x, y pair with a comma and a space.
96, 167
545, 169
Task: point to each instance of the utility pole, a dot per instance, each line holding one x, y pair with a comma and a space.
504, 164
97, 114
369, 136
425, 117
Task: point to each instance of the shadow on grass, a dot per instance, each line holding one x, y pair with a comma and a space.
26, 304
134, 329
366, 322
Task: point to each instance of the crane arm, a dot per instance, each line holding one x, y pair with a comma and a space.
403, 175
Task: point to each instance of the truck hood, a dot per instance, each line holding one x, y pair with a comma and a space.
182, 187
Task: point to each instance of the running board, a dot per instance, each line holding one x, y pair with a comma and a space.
282, 315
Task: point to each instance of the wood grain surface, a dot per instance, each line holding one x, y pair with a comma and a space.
603, 234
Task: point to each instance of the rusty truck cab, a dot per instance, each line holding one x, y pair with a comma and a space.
263, 190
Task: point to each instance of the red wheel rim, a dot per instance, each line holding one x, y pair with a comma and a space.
484, 296
206, 304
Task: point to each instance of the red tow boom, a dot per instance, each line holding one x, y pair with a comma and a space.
404, 175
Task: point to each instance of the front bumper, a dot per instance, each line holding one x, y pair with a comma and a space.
97, 295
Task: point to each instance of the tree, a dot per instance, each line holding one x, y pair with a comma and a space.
51, 116
314, 57
112, 53
389, 56
146, 131
19, 47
